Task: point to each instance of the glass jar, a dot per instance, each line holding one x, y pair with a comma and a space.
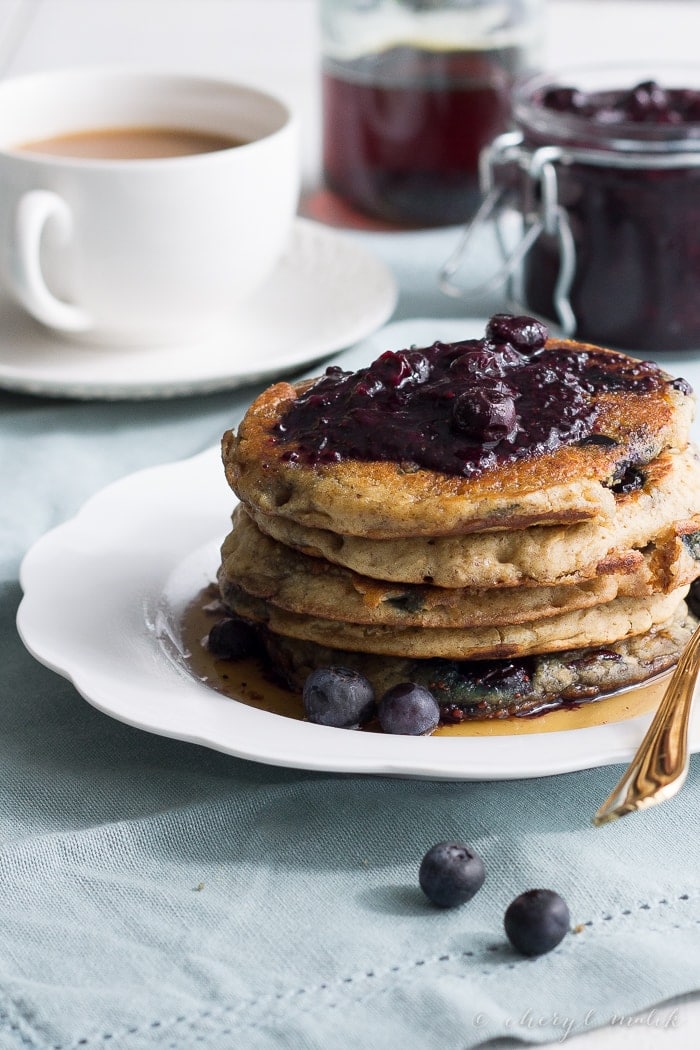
604, 171
412, 90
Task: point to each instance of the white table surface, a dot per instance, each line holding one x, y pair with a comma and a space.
275, 44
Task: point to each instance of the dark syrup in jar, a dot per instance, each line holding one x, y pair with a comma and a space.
403, 129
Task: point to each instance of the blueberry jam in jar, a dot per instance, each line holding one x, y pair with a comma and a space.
605, 173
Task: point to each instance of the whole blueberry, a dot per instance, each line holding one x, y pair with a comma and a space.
484, 361
338, 696
526, 334
408, 709
693, 599
232, 639
536, 921
450, 874
689, 100
398, 368
646, 102
564, 99
487, 413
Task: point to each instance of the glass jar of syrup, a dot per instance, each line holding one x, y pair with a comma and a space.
412, 90
604, 173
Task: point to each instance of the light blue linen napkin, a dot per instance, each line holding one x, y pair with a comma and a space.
157, 894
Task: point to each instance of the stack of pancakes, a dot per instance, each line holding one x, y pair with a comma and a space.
553, 575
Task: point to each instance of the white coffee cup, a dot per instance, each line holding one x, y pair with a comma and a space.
142, 251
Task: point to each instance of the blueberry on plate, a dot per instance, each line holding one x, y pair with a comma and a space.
450, 874
337, 696
408, 709
232, 639
536, 921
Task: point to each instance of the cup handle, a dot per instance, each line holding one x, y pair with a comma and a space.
34, 210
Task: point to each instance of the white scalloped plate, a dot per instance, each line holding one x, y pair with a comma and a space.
104, 593
326, 293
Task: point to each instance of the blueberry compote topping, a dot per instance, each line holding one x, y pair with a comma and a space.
460, 408
645, 103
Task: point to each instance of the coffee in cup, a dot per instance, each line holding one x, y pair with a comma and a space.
139, 208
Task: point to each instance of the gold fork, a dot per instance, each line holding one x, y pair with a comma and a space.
660, 766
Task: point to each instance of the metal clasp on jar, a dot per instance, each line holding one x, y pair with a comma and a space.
533, 197
539, 211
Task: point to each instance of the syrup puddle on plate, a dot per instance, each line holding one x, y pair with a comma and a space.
246, 682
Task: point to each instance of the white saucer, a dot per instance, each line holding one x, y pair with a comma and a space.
325, 294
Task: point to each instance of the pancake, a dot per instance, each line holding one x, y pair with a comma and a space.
496, 689
631, 413
543, 555
513, 522
600, 625
293, 581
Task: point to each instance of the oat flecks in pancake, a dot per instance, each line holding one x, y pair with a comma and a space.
293, 581
599, 625
538, 556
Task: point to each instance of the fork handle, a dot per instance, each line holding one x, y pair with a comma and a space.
660, 766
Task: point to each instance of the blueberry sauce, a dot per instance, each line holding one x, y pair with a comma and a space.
460, 408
